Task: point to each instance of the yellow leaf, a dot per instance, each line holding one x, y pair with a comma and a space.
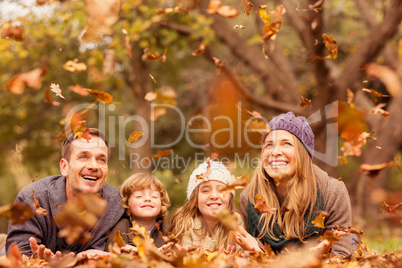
331, 45
266, 18
134, 136
319, 221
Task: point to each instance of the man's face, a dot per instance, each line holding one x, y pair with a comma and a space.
87, 167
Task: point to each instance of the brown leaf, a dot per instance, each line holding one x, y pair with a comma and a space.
378, 110
74, 66
237, 183
350, 96
305, 102
127, 43
149, 56
319, 221
31, 79
12, 32
39, 209
373, 92
200, 49
79, 90
18, 213
261, 206
350, 229
101, 96
48, 98
229, 222
247, 6
118, 239
374, 170
101, 15
385, 208
331, 45
329, 235
78, 216
134, 136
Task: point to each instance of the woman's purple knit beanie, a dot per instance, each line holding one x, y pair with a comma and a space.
298, 126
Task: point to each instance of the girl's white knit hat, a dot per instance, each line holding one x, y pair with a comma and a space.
217, 172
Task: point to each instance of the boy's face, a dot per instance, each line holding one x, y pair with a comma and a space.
145, 204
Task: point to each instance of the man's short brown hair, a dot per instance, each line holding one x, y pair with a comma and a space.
66, 145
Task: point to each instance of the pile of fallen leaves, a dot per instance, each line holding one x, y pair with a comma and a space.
148, 256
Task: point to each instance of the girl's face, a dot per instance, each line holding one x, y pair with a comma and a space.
211, 200
145, 204
279, 155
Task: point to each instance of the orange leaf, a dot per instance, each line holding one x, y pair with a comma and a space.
385, 208
74, 66
12, 32
31, 79
305, 102
374, 170
101, 96
49, 99
378, 110
18, 213
134, 136
200, 49
118, 239
319, 221
79, 90
331, 45
261, 206
350, 96
247, 6
351, 122
375, 93
161, 153
39, 209
237, 183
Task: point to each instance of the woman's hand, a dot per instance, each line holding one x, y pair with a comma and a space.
245, 240
325, 245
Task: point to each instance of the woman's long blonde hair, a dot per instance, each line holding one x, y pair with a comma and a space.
301, 197
183, 222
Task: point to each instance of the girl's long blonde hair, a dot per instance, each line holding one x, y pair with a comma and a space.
301, 197
183, 222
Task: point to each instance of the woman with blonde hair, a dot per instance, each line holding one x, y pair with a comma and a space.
296, 190
196, 223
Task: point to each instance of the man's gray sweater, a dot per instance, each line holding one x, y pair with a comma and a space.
51, 194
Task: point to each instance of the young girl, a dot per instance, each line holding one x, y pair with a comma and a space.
196, 223
298, 190
146, 202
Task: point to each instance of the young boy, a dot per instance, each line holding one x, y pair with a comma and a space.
146, 202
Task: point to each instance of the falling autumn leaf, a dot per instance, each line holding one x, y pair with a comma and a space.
31, 79
349, 229
152, 77
261, 206
161, 153
374, 170
79, 90
305, 102
150, 96
12, 32
375, 93
216, 7
18, 213
378, 110
385, 208
238, 183
127, 43
49, 98
101, 96
329, 235
56, 89
214, 155
39, 209
353, 147
229, 222
331, 45
200, 49
74, 66
316, 6
118, 239
150, 56
101, 15
349, 96
319, 221
239, 27
265, 17
134, 136
247, 7
78, 216
351, 122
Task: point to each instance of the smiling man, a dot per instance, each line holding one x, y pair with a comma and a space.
84, 167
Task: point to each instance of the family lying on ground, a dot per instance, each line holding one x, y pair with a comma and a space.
296, 189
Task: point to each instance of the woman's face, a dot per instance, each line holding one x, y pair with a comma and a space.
279, 155
211, 200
